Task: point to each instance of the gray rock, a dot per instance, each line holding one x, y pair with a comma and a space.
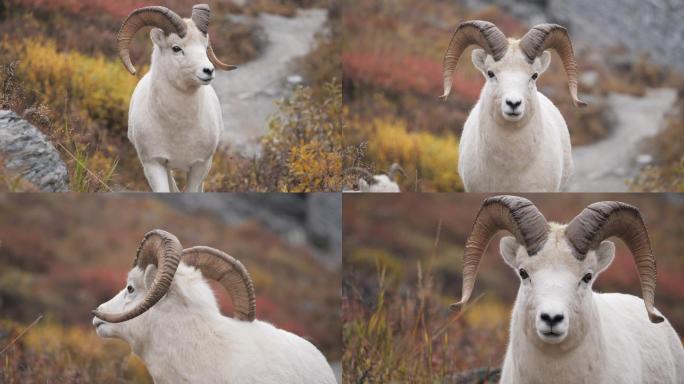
29, 153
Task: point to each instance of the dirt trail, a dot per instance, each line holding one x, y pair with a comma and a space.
606, 165
248, 94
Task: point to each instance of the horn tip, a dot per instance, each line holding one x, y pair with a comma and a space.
457, 306
655, 318
579, 103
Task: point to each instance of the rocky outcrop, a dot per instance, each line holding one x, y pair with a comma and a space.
28, 153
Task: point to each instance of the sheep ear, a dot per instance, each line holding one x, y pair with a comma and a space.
544, 61
478, 57
604, 255
150, 273
508, 247
158, 37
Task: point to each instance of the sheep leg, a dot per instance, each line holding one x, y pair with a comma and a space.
156, 175
173, 187
196, 176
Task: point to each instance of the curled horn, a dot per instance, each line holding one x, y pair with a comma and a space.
230, 273
394, 169
365, 174
201, 13
154, 16
481, 33
553, 36
514, 214
158, 248
602, 220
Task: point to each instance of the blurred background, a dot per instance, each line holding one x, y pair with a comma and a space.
62, 256
402, 258
630, 73
60, 73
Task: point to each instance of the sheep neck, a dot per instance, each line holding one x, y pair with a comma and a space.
567, 362
171, 353
171, 101
511, 145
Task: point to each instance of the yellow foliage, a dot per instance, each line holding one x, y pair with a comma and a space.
97, 85
435, 158
313, 166
489, 313
303, 149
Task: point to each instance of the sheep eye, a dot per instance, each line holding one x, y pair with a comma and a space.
523, 274
130, 289
534, 77
490, 74
176, 48
587, 278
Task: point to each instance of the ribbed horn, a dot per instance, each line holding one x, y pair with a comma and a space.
201, 14
514, 214
602, 220
230, 273
159, 248
394, 169
553, 36
154, 16
481, 33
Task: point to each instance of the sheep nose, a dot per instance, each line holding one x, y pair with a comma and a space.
551, 320
513, 104
208, 71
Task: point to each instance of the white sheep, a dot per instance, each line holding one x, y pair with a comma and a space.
169, 316
514, 139
175, 119
381, 183
561, 331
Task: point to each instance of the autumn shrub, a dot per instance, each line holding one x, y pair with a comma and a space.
302, 151
431, 160
48, 352
408, 335
667, 172
99, 86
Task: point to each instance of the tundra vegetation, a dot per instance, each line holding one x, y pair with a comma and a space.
76, 91
403, 269
64, 264
392, 66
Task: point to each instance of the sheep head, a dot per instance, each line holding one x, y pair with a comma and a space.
557, 264
511, 67
151, 284
183, 44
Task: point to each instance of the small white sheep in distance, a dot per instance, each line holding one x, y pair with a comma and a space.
169, 316
562, 331
514, 139
382, 183
174, 119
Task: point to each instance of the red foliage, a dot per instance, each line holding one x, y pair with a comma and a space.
406, 74
102, 283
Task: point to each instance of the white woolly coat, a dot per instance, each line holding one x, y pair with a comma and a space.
531, 158
622, 346
167, 124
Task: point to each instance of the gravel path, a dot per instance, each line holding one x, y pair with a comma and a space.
604, 166
248, 93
